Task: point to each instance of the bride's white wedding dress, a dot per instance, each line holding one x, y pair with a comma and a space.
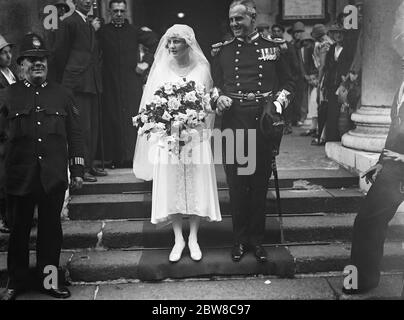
181, 187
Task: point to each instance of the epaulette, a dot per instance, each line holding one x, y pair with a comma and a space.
218, 46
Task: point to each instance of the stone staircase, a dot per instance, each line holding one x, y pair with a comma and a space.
108, 236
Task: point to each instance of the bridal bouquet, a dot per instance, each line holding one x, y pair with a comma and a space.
176, 111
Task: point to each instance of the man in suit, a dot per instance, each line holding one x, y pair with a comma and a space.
250, 72
7, 78
78, 67
380, 205
44, 136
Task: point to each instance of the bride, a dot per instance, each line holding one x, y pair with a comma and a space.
181, 189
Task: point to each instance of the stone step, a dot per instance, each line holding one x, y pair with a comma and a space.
124, 181
152, 265
142, 234
135, 206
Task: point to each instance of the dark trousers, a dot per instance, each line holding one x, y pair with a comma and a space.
88, 105
248, 193
371, 224
49, 235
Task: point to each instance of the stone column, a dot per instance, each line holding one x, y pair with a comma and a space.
381, 77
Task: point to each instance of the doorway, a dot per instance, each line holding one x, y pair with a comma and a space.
208, 18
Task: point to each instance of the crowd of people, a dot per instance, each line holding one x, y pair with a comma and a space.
87, 86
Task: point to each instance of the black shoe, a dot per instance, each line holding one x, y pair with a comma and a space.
98, 172
58, 293
260, 254
10, 295
89, 178
238, 251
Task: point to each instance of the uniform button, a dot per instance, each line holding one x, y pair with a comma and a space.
40, 157
237, 60
259, 83
258, 92
260, 66
240, 92
236, 68
239, 45
258, 51
257, 101
39, 123
241, 100
238, 84
38, 107
238, 52
237, 76
39, 140
260, 75
256, 43
37, 93
17, 114
57, 113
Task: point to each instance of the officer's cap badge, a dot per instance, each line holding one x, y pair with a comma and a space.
36, 43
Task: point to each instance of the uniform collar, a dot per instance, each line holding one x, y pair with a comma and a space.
29, 84
251, 37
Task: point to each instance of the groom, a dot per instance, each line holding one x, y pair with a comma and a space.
250, 73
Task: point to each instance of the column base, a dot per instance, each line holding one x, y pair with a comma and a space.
355, 161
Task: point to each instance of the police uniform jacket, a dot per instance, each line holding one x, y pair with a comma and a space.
44, 136
254, 68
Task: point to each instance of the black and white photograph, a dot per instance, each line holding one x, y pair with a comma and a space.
201, 157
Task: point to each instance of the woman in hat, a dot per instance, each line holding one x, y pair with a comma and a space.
322, 45
7, 78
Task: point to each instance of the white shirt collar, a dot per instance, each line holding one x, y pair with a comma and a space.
8, 75
82, 15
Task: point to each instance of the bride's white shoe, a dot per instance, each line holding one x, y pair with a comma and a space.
195, 251
176, 252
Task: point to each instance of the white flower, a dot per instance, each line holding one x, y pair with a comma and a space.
190, 96
166, 116
164, 100
174, 103
200, 89
168, 88
181, 117
191, 113
160, 126
206, 103
144, 118
156, 100
135, 120
202, 115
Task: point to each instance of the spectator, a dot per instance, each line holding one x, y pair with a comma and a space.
337, 66
78, 67
299, 110
310, 76
122, 79
7, 78
263, 28
288, 48
322, 45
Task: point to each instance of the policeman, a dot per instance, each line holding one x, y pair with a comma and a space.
250, 72
44, 137
380, 205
